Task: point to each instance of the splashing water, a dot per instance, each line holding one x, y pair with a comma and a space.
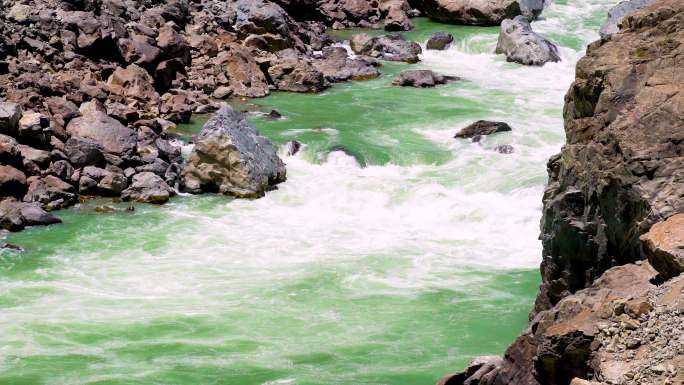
393, 273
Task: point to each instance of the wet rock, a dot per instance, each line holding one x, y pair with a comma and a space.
231, 158
11, 247
521, 45
471, 12
148, 187
664, 246
104, 130
274, 115
531, 8
51, 192
15, 215
389, 47
439, 41
12, 182
421, 78
292, 147
478, 371
296, 75
504, 149
482, 128
337, 66
618, 12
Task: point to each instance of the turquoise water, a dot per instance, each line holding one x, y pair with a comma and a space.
393, 262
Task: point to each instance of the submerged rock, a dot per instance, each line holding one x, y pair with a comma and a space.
389, 47
231, 158
292, 147
664, 246
522, 45
481, 128
337, 66
421, 78
439, 41
504, 149
618, 12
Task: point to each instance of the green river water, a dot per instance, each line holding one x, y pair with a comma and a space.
394, 263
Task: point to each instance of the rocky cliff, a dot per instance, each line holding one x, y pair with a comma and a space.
602, 313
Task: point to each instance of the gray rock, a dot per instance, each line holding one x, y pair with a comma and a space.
296, 75
83, 152
260, 17
521, 45
148, 187
471, 12
618, 12
51, 192
231, 158
9, 152
531, 9
421, 78
104, 130
10, 113
15, 215
337, 66
439, 41
388, 47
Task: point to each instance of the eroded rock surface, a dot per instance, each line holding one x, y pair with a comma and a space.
522, 45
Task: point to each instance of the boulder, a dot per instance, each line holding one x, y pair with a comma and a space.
531, 9
133, 82
139, 50
471, 12
260, 17
397, 20
15, 215
231, 158
34, 160
102, 181
296, 75
148, 187
521, 45
9, 152
173, 45
61, 169
618, 12
241, 73
10, 113
84, 152
664, 246
12, 182
51, 192
421, 78
439, 41
482, 127
337, 66
389, 47
104, 130
34, 129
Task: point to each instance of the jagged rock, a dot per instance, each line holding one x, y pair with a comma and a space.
471, 12
521, 45
174, 45
84, 152
9, 152
421, 78
15, 215
531, 8
481, 128
397, 20
664, 246
260, 17
620, 171
439, 41
241, 72
139, 50
51, 192
618, 12
389, 47
148, 187
231, 158
292, 147
296, 75
132, 82
104, 130
12, 182
34, 160
61, 169
10, 113
33, 128
99, 181
337, 66
479, 370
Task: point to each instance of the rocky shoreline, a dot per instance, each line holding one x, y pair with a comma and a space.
605, 315
90, 88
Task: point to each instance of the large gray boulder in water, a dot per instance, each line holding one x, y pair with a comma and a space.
389, 47
522, 45
231, 158
619, 11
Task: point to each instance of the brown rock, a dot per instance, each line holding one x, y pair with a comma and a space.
664, 246
12, 182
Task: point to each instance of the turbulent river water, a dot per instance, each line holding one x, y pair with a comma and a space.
393, 263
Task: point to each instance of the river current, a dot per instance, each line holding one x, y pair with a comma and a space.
393, 262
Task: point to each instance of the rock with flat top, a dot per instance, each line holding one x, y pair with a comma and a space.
664, 246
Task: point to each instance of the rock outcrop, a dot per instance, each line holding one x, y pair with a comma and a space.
231, 158
618, 12
603, 315
522, 45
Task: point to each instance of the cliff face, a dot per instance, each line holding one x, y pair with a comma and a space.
602, 313
622, 168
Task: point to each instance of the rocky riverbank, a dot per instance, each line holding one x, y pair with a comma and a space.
604, 315
90, 88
